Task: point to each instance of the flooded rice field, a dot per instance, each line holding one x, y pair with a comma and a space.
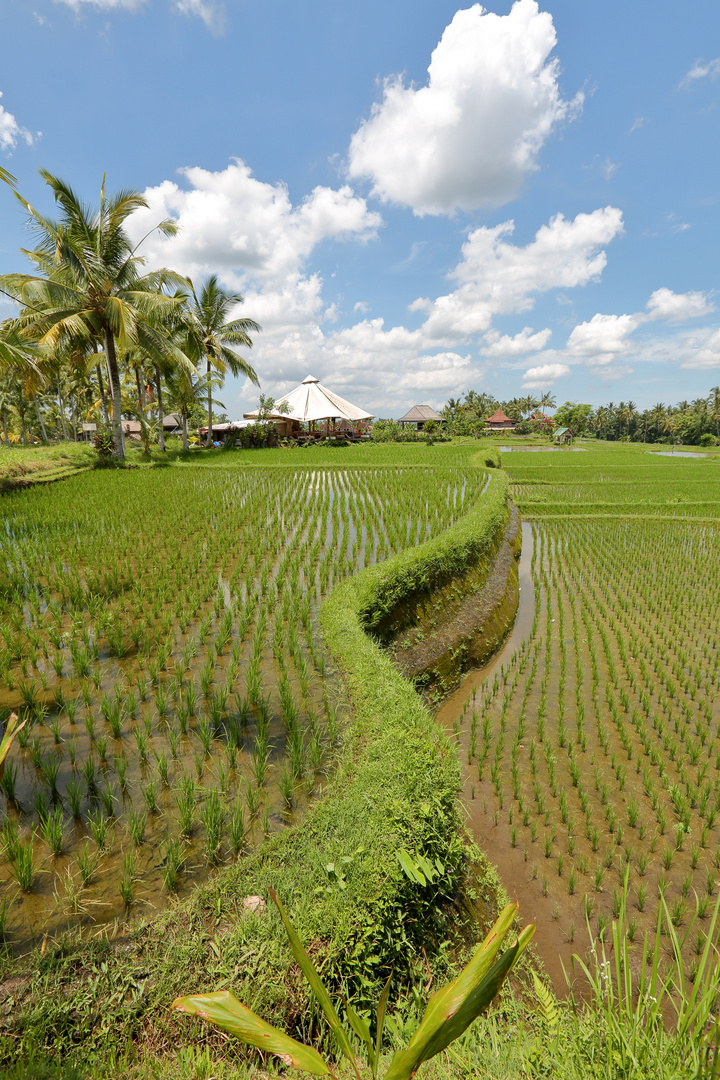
590, 745
159, 632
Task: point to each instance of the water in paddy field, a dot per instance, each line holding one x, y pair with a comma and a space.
181, 705
674, 453
591, 754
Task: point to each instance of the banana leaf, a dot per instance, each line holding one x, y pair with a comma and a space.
228, 1013
453, 1008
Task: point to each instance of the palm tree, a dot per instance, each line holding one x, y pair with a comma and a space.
88, 288
209, 333
547, 401
714, 403
187, 391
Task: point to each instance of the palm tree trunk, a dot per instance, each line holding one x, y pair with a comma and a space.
115, 393
5, 429
209, 440
74, 417
185, 429
40, 421
161, 413
141, 402
24, 432
103, 398
62, 413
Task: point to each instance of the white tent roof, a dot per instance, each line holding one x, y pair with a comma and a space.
312, 401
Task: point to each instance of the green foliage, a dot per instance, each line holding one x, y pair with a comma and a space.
449, 1011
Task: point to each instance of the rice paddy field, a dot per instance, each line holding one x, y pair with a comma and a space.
159, 633
592, 752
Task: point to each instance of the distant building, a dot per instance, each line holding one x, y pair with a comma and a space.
419, 415
499, 422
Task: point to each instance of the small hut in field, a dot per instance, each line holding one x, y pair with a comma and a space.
563, 436
499, 422
419, 416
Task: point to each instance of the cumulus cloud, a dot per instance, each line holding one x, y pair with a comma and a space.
676, 307
602, 339
703, 351
701, 69
467, 138
496, 277
11, 131
236, 225
504, 347
538, 378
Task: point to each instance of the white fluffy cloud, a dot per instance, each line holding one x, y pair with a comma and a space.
703, 351
677, 307
11, 131
539, 378
702, 69
496, 277
244, 228
470, 136
504, 347
602, 339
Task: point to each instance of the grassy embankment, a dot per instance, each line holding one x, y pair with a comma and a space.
395, 787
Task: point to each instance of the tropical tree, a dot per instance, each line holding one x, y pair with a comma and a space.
88, 287
209, 334
189, 391
714, 405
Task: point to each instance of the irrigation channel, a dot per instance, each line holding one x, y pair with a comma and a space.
551, 938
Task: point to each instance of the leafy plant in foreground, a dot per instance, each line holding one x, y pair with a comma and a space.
449, 1011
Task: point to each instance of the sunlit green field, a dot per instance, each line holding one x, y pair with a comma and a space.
597, 754
159, 633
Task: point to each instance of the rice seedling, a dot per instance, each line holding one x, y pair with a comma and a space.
87, 864
212, 816
8, 781
22, 864
129, 877
173, 861
149, 793
99, 827
236, 829
52, 828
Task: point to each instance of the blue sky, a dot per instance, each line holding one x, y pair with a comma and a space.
537, 211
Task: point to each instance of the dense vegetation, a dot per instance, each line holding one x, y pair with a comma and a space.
689, 422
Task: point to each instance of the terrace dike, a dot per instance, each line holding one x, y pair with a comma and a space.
438, 634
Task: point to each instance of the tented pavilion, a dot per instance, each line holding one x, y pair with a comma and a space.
310, 402
419, 415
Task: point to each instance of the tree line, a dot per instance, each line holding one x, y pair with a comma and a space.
691, 423
97, 337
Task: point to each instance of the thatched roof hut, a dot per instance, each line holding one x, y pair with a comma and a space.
419, 415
